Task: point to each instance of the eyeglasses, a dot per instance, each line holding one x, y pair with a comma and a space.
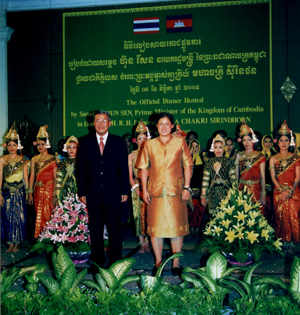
99, 121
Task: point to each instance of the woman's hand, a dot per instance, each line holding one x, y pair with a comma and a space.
137, 190
204, 202
30, 199
1, 200
285, 195
263, 199
53, 202
146, 197
185, 195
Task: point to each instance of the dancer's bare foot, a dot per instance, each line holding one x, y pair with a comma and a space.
144, 246
147, 248
16, 249
10, 248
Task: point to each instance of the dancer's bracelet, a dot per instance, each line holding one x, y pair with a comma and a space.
134, 187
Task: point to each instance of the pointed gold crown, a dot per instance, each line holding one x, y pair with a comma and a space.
244, 129
70, 139
217, 138
141, 128
284, 129
12, 134
43, 132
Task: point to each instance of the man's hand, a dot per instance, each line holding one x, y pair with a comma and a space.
83, 199
124, 198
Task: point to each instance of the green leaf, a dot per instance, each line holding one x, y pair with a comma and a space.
91, 284
248, 274
241, 256
294, 287
129, 279
68, 278
101, 283
79, 277
270, 280
161, 267
9, 295
63, 259
56, 266
196, 282
151, 284
209, 281
216, 265
121, 268
230, 270
256, 252
32, 287
51, 284
109, 278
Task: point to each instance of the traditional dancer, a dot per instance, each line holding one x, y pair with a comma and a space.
43, 175
251, 166
218, 177
268, 151
285, 173
138, 205
13, 195
66, 171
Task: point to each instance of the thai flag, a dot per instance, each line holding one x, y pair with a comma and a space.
146, 25
179, 23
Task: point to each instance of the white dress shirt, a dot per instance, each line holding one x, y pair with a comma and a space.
104, 138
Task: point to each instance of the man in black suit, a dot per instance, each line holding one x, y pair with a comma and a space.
103, 184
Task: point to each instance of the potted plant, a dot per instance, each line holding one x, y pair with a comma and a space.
239, 230
68, 226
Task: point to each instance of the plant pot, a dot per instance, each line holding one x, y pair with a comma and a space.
230, 258
79, 258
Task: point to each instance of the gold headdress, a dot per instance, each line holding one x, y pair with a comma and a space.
70, 139
245, 130
142, 128
284, 131
217, 138
297, 143
44, 134
13, 135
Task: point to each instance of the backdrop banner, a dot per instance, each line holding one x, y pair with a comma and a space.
208, 64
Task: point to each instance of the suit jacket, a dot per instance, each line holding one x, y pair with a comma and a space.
103, 178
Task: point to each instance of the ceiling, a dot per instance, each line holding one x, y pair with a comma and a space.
31, 5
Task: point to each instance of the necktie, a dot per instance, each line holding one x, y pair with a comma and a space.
101, 145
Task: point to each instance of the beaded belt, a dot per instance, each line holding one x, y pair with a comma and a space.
219, 181
249, 182
41, 183
13, 186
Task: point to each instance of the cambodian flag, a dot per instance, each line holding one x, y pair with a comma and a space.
146, 25
179, 23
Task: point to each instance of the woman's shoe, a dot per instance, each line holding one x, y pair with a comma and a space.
177, 271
